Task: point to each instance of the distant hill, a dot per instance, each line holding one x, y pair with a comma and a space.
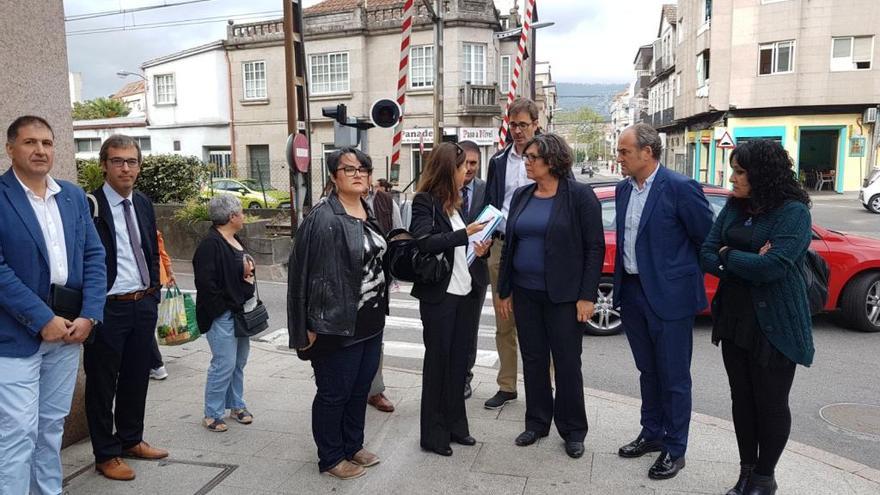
573, 96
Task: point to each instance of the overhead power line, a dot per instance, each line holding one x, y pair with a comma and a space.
181, 22
93, 15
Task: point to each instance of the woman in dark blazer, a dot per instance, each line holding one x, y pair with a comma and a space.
446, 316
761, 315
549, 277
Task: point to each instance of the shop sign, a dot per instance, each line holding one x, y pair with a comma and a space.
416, 136
483, 136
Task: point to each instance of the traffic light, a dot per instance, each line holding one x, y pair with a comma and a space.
339, 113
385, 113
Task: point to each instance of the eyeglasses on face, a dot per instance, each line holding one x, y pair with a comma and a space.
352, 171
530, 157
520, 125
119, 162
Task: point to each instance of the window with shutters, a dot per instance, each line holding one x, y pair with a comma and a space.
852, 53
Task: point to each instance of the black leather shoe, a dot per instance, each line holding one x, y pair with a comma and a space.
468, 440
760, 485
665, 467
640, 447
467, 391
574, 449
528, 437
444, 451
745, 471
498, 400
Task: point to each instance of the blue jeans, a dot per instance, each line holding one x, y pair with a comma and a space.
340, 407
224, 388
35, 395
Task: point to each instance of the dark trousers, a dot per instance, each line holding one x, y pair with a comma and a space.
117, 366
448, 335
761, 416
156, 361
476, 299
662, 350
339, 411
544, 329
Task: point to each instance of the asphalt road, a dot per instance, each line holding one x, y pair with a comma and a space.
845, 370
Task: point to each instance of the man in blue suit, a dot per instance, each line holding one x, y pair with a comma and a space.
47, 239
662, 219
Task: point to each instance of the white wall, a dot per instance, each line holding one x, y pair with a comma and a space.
202, 90
193, 140
102, 134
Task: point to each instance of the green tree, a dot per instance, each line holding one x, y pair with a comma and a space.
583, 127
99, 108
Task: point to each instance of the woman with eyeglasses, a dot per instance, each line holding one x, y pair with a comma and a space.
337, 302
444, 308
549, 277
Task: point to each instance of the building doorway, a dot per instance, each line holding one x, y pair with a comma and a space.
818, 158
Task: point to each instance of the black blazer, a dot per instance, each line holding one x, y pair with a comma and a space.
427, 211
217, 272
146, 219
574, 243
480, 267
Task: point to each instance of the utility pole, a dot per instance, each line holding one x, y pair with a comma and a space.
437, 15
297, 100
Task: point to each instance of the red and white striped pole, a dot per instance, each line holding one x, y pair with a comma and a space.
517, 70
406, 30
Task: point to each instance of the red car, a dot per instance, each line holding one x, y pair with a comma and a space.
853, 289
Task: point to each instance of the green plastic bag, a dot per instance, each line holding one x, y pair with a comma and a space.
177, 318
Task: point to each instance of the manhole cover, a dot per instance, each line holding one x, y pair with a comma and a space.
857, 418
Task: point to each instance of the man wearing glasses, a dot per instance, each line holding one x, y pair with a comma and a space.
117, 363
507, 172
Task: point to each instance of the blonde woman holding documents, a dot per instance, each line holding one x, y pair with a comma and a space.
448, 323
550, 269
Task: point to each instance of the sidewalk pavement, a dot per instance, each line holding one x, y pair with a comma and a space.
276, 454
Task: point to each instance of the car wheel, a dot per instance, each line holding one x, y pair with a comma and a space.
254, 205
874, 204
606, 318
860, 302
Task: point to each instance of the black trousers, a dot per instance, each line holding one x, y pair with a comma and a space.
761, 416
156, 361
117, 366
448, 335
476, 299
544, 329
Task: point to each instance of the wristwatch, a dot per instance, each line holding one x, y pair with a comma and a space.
94, 322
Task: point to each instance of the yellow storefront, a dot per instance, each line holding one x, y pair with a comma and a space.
828, 150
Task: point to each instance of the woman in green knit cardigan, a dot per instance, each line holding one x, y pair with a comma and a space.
760, 312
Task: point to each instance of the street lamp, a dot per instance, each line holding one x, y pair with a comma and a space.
125, 73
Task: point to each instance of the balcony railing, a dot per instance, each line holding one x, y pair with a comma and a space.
663, 118
255, 32
663, 63
482, 99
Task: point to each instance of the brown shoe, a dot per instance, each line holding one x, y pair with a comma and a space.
346, 470
365, 458
115, 469
380, 402
144, 451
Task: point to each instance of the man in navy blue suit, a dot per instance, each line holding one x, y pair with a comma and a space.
662, 219
46, 239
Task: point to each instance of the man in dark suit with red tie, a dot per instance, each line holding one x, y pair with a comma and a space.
117, 363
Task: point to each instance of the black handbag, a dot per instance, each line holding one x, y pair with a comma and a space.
250, 323
408, 263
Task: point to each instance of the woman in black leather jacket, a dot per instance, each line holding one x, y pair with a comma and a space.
337, 302
447, 320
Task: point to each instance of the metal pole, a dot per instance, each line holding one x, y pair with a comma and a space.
438, 71
292, 110
875, 144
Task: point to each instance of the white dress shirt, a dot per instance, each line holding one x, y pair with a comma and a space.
460, 283
515, 177
128, 279
49, 218
637, 200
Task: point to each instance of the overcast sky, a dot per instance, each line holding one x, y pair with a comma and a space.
592, 40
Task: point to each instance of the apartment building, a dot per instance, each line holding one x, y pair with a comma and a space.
662, 90
353, 50
802, 72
